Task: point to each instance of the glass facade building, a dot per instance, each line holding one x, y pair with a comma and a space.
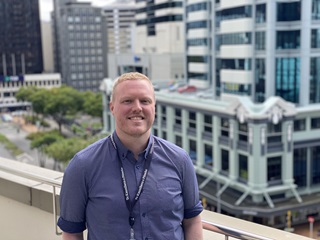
269, 48
20, 45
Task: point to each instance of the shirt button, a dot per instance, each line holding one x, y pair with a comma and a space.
146, 238
138, 166
143, 214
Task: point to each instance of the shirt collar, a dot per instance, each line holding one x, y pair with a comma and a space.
123, 150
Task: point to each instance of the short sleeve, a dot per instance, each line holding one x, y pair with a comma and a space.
73, 198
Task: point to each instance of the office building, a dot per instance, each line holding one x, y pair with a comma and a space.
20, 45
79, 44
158, 43
120, 25
257, 49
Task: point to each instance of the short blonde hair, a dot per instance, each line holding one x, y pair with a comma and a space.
129, 76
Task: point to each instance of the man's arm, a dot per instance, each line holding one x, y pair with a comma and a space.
193, 228
72, 236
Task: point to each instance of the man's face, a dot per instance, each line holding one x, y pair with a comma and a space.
133, 107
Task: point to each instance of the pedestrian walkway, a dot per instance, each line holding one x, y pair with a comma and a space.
21, 124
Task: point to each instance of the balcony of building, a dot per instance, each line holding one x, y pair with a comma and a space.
29, 205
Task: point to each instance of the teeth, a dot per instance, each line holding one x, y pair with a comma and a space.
136, 118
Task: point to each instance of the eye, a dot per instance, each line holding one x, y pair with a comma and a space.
126, 101
145, 101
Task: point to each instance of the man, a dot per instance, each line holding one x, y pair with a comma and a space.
131, 185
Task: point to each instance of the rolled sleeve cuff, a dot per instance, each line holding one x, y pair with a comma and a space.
190, 213
71, 227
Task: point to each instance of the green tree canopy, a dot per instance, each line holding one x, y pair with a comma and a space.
92, 104
25, 93
63, 150
61, 102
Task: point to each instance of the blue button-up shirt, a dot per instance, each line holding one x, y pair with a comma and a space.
92, 192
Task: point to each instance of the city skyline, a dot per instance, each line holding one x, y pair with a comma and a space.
46, 6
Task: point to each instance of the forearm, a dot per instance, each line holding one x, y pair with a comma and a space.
193, 228
72, 236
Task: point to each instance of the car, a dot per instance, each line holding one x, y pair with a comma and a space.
187, 89
173, 87
156, 87
6, 118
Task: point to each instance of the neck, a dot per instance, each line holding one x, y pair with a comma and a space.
135, 144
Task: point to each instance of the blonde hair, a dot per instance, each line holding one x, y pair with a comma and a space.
129, 76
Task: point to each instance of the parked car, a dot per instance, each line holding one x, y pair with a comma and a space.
187, 88
6, 118
175, 86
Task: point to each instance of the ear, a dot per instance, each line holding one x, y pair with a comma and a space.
111, 107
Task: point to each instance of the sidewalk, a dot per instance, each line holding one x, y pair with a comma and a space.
30, 128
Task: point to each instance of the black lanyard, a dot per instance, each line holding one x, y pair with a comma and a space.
130, 205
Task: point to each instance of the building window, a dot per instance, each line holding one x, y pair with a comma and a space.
274, 133
260, 40
300, 167
315, 10
288, 79
193, 150
288, 39
224, 127
314, 80
208, 160
260, 80
315, 38
178, 116
224, 161
261, 13
192, 120
243, 167
208, 123
236, 38
164, 134
299, 125
315, 123
315, 168
163, 114
178, 141
274, 170
288, 11
243, 132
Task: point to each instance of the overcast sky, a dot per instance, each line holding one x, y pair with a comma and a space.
46, 6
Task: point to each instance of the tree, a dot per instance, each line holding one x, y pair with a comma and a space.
63, 150
41, 141
93, 104
61, 102
25, 93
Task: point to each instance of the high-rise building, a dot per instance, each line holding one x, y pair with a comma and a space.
158, 43
20, 44
258, 49
120, 17
79, 44
159, 27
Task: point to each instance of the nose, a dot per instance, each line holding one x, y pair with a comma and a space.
137, 106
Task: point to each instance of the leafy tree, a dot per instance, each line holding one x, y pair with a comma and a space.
63, 150
61, 102
41, 141
93, 104
25, 93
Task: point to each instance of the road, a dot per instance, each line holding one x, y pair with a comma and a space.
30, 156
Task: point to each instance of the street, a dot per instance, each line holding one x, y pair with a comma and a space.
17, 135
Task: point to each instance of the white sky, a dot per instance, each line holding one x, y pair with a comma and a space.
46, 6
